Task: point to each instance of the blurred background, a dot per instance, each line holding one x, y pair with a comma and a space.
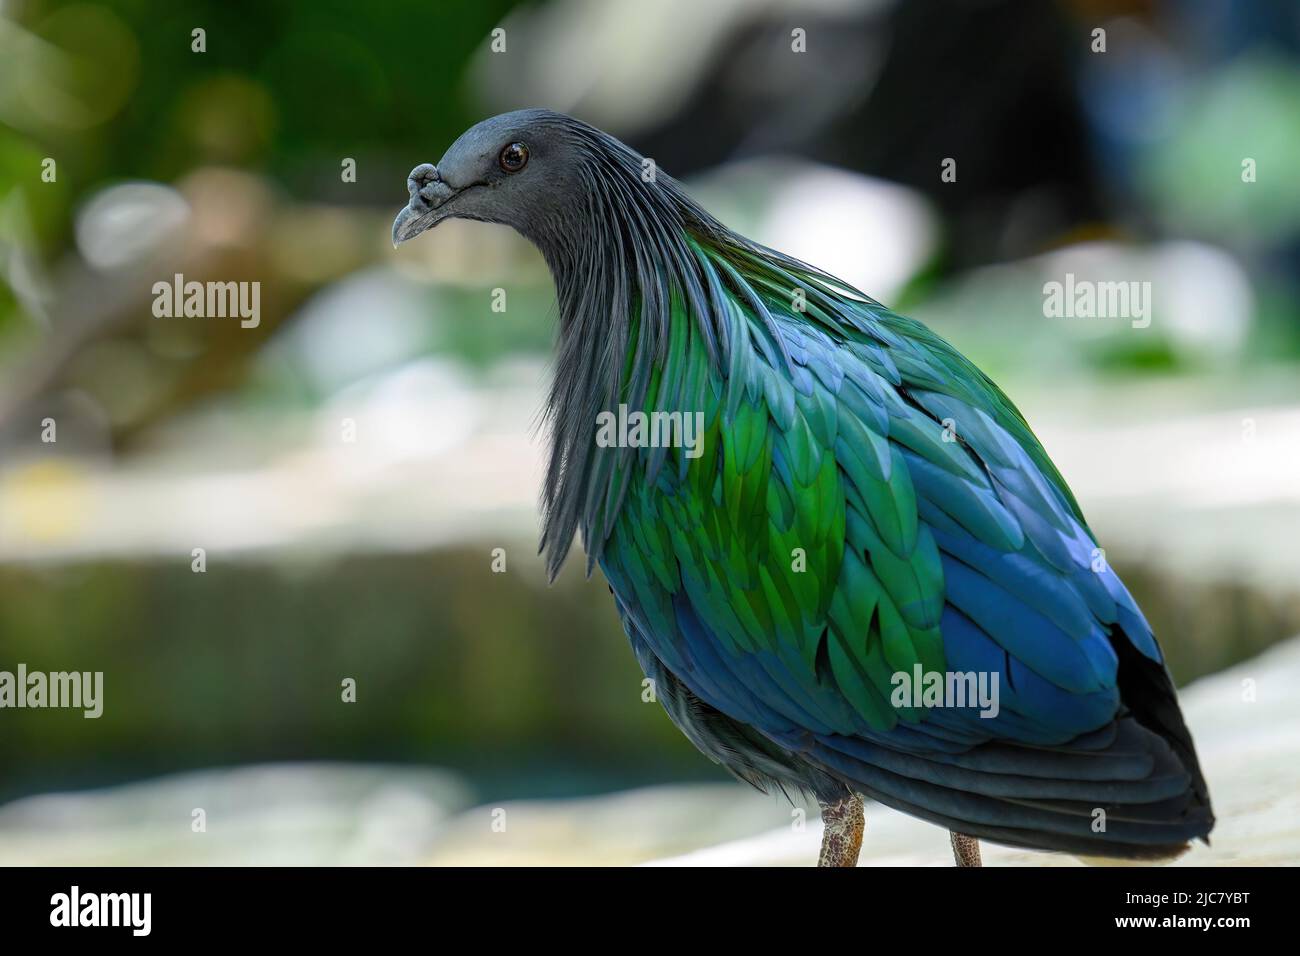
349, 465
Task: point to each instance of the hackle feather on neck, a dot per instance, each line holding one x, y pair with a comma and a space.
625, 255
620, 258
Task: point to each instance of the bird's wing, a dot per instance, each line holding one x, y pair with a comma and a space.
866, 503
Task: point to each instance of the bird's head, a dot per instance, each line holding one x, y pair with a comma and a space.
517, 169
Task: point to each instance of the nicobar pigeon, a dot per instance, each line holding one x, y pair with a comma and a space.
864, 503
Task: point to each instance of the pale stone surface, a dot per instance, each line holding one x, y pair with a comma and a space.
275, 815
630, 827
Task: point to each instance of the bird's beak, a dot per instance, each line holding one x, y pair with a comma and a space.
410, 223
429, 196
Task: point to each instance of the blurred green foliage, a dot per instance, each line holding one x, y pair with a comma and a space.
284, 89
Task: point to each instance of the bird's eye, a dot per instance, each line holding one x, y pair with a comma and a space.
514, 157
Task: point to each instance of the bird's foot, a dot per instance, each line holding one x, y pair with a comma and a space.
842, 824
965, 849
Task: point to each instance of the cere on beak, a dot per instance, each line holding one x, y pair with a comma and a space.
428, 192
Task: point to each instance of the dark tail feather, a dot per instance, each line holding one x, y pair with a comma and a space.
1147, 801
1132, 790
1147, 690
1148, 818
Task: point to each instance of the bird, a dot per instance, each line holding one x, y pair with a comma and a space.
861, 531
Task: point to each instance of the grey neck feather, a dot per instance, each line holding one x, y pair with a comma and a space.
617, 257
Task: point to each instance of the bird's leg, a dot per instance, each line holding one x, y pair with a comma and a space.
842, 824
965, 849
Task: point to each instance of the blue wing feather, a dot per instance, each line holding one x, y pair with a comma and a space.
964, 551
